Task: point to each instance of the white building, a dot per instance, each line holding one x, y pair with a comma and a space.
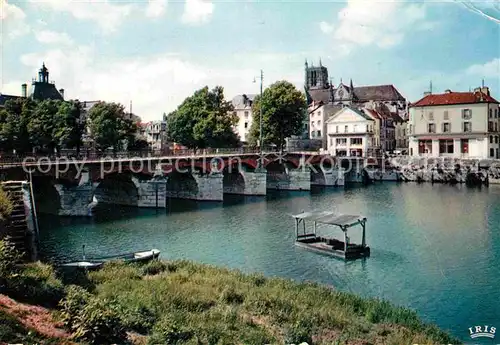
455, 124
243, 109
318, 116
155, 133
350, 133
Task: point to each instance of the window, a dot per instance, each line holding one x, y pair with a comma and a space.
491, 113
431, 128
313, 134
319, 113
424, 146
492, 152
318, 123
496, 113
331, 141
246, 113
356, 141
355, 128
305, 126
246, 124
467, 127
496, 127
464, 144
466, 114
490, 126
491, 139
319, 133
496, 139
341, 141
446, 127
431, 116
336, 129
446, 116
346, 129
367, 128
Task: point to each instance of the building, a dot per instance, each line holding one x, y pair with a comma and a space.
400, 134
350, 133
243, 110
455, 124
155, 133
41, 89
321, 92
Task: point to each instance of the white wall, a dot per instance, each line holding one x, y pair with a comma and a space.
244, 117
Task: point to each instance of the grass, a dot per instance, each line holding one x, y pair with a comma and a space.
183, 302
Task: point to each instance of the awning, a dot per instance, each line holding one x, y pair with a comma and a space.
330, 218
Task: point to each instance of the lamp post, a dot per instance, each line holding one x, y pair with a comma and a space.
260, 111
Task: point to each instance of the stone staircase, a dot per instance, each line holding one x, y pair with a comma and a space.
16, 226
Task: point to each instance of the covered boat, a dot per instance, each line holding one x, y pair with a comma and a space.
327, 245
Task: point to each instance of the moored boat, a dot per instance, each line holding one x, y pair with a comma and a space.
142, 256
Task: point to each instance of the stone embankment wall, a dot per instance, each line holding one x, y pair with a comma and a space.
446, 170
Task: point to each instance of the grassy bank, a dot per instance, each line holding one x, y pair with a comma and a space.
187, 303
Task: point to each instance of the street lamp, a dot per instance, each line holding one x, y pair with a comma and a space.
260, 110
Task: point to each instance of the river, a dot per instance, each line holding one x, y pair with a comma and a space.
434, 248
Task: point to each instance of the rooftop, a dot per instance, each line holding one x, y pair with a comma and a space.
330, 218
450, 98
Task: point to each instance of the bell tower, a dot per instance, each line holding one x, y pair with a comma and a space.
43, 74
316, 77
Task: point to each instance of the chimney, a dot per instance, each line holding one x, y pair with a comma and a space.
447, 91
485, 90
24, 90
427, 93
61, 91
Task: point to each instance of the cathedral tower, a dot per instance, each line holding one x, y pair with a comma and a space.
316, 77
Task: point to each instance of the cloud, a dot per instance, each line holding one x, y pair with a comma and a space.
383, 24
155, 84
53, 37
109, 16
156, 8
490, 68
326, 28
197, 12
13, 20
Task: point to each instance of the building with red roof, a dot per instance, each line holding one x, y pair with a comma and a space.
455, 124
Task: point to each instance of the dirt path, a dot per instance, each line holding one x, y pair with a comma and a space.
34, 317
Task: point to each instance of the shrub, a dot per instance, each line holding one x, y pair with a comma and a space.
170, 331
72, 305
98, 322
230, 296
300, 331
154, 267
6, 206
10, 257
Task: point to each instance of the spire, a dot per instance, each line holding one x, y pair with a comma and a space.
352, 87
341, 81
306, 63
320, 65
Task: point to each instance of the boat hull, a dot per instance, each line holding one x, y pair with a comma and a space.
352, 253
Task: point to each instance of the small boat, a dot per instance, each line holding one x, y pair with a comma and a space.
143, 256
88, 265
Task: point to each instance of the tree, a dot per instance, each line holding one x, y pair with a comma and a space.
69, 127
109, 127
44, 124
283, 109
204, 120
14, 121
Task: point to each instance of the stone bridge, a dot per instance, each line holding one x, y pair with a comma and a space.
71, 187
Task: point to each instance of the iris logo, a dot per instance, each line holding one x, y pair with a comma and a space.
482, 332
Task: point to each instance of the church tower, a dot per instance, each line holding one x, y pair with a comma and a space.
316, 77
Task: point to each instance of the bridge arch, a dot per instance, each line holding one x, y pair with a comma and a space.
117, 189
233, 180
46, 195
182, 185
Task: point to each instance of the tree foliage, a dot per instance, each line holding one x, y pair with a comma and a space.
110, 127
283, 109
44, 125
204, 120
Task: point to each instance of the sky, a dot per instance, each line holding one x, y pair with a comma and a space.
156, 53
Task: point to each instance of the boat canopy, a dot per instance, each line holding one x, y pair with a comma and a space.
330, 218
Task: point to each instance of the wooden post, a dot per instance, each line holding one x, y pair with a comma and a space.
304, 226
363, 243
314, 228
345, 239
296, 228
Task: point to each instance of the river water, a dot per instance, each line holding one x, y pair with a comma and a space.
434, 248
